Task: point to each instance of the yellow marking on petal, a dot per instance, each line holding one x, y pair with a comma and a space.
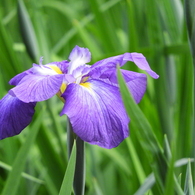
56, 69
61, 91
63, 88
87, 85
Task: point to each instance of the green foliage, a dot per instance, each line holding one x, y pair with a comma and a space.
67, 184
158, 157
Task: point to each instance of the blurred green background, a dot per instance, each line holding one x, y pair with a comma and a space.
154, 160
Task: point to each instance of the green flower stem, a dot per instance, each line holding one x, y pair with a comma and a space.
79, 177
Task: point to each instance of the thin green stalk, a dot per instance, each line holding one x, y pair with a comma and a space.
190, 21
79, 177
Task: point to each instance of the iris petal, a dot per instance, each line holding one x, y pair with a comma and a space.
96, 112
63, 65
136, 82
81, 53
15, 80
15, 115
34, 88
112, 62
141, 62
78, 57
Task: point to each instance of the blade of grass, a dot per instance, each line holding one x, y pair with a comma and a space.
136, 162
148, 183
25, 175
190, 21
13, 180
188, 188
27, 31
9, 62
137, 116
79, 174
145, 130
118, 159
51, 159
66, 187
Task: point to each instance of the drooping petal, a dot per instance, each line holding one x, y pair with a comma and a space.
136, 82
78, 57
96, 112
15, 115
15, 80
102, 71
63, 66
141, 62
112, 62
34, 88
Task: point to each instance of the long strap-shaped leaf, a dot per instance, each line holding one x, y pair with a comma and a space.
66, 187
190, 20
13, 180
145, 130
79, 175
27, 31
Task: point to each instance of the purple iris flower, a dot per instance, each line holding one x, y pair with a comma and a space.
91, 95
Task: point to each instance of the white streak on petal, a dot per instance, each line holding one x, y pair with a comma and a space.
78, 57
43, 70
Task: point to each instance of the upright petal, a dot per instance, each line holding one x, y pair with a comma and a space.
15, 115
78, 57
35, 88
96, 112
137, 58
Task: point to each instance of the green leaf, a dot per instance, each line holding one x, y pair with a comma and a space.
97, 187
136, 161
190, 15
148, 183
145, 131
118, 159
25, 175
183, 161
13, 180
27, 31
137, 116
66, 187
55, 167
9, 61
167, 148
79, 176
188, 188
